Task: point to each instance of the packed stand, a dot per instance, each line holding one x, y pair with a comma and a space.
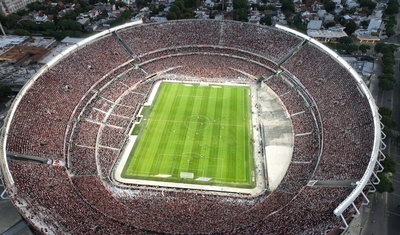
310, 212
305, 148
208, 67
83, 160
51, 200
46, 108
267, 41
347, 120
77, 201
107, 158
228, 51
148, 38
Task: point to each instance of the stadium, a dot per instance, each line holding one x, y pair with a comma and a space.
72, 126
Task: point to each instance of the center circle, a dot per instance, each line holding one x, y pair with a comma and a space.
197, 122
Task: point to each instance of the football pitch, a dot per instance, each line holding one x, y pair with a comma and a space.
197, 134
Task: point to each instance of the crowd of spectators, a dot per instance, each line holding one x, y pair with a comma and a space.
86, 133
99, 101
208, 67
107, 158
83, 160
306, 146
46, 108
347, 120
269, 42
121, 212
202, 49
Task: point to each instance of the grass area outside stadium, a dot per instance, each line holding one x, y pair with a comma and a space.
195, 134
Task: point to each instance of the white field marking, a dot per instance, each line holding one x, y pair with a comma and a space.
163, 175
186, 169
200, 97
219, 159
244, 141
216, 123
203, 179
174, 155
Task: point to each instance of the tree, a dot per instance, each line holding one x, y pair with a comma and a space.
71, 25
368, 3
383, 111
388, 69
389, 31
386, 113
263, 7
363, 48
192, 4
385, 48
12, 21
239, 4
329, 6
351, 48
161, 7
5, 91
364, 23
389, 165
385, 84
386, 185
240, 14
287, 6
392, 7
179, 11
388, 59
388, 121
387, 131
346, 40
141, 3
266, 20
171, 15
35, 6
22, 32
330, 24
350, 27
27, 25
120, 4
176, 10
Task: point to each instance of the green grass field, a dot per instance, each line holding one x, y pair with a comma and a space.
202, 131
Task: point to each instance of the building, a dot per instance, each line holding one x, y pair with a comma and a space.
314, 25
333, 33
366, 36
11, 6
374, 25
